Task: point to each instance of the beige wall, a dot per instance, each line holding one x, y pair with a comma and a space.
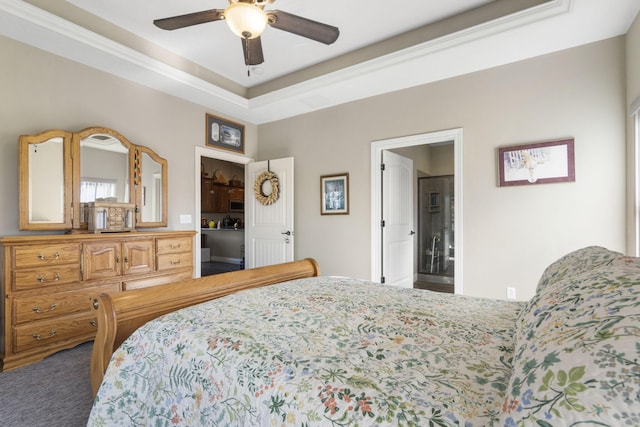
510, 234
633, 95
42, 91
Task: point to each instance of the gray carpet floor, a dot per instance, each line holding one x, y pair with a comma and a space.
55, 392
215, 267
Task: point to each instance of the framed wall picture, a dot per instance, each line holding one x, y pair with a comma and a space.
334, 194
538, 163
225, 134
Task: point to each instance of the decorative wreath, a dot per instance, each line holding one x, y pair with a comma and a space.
266, 199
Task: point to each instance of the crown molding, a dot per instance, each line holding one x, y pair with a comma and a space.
28, 24
371, 78
31, 25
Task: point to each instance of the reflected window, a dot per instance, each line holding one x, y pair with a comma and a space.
92, 190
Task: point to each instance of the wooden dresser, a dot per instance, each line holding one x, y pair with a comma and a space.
48, 283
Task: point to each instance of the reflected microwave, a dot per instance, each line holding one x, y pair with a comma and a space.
236, 205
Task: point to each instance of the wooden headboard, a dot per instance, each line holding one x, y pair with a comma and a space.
119, 314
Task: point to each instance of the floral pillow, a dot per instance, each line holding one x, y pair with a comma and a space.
576, 262
577, 350
573, 263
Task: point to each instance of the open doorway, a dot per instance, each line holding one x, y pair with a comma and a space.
204, 155
454, 137
222, 221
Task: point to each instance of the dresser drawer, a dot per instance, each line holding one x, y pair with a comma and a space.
35, 256
40, 334
174, 245
45, 277
49, 306
171, 261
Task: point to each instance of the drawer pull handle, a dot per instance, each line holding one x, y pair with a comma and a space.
117, 260
126, 260
44, 257
38, 337
40, 278
93, 322
37, 309
175, 246
175, 262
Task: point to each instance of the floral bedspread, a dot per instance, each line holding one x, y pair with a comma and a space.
320, 351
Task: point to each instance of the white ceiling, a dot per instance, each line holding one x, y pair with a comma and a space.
204, 63
213, 46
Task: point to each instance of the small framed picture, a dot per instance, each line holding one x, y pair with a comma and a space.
334, 194
434, 201
538, 163
225, 134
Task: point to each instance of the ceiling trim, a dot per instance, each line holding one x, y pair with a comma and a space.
370, 78
29, 24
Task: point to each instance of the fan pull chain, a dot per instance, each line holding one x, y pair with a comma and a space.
247, 52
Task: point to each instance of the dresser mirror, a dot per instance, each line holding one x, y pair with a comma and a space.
104, 168
45, 181
61, 173
152, 194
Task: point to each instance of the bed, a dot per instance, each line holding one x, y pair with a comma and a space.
282, 345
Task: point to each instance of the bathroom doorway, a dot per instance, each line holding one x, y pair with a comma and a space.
438, 142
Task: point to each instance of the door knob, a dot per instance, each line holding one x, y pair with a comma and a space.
411, 233
288, 233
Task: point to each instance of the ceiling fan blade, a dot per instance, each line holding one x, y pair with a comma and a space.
252, 49
181, 21
304, 27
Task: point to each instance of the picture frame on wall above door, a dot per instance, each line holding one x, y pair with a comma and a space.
334, 194
225, 134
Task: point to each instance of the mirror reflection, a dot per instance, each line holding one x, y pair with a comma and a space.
46, 182
151, 203
104, 170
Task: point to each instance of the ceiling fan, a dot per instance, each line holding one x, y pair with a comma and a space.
248, 19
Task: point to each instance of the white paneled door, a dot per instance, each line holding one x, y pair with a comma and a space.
269, 233
397, 217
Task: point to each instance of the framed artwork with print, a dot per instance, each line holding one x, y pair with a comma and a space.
537, 163
334, 194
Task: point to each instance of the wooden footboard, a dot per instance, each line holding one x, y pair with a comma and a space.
120, 314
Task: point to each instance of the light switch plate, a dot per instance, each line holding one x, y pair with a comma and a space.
185, 219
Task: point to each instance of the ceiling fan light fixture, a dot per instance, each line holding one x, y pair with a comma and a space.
245, 20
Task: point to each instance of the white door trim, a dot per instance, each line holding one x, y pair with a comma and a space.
377, 147
213, 154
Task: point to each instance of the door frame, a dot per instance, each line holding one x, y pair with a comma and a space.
377, 147
212, 154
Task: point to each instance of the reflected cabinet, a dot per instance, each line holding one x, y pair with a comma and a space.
64, 175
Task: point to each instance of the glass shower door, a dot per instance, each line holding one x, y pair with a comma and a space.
436, 248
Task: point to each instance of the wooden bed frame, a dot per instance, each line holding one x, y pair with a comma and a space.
119, 314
